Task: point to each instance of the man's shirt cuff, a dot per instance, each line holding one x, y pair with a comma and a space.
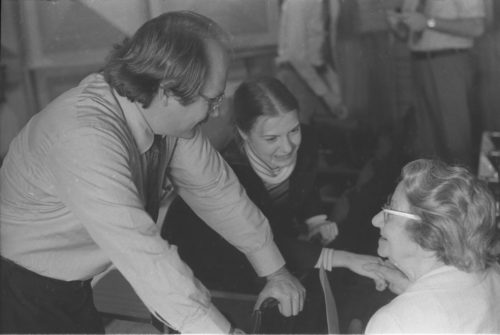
266, 260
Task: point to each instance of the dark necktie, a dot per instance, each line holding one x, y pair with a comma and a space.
155, 158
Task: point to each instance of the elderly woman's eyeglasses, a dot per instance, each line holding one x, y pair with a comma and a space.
214, 103
388, 211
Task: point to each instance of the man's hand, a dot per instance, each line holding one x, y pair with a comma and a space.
287, 289
335, 107
398, 282
393, 18
398, 27
414, 20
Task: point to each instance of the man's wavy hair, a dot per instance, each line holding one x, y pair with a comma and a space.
167, 51
457, 211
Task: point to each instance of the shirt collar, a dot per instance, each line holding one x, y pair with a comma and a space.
142, 132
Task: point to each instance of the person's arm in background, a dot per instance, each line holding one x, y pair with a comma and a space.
93, 176
310, 74
398, 28
467, 27
310, 63
469, 23
209, 186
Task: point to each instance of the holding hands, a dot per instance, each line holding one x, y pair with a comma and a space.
397, 280
357, 264
360, 264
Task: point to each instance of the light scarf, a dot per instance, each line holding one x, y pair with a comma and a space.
270, 176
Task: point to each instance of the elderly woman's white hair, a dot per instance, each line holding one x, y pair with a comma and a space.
457, 211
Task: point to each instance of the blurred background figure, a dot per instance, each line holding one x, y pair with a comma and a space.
439, 234
304, 62
440, 35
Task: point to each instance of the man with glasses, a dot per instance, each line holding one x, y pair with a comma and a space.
85, 181
214, 103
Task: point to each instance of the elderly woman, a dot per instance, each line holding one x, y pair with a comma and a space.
275, 159
439, 231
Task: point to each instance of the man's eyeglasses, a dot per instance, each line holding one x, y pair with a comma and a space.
388, 211
214, 103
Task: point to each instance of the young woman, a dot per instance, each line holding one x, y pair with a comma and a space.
275, 159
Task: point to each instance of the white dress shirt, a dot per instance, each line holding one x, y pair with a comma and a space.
445, 9
72, 192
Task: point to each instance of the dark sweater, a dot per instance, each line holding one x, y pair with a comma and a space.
218, 264
287, 219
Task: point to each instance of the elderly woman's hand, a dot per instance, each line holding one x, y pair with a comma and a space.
358, 263
330, 258
397, 280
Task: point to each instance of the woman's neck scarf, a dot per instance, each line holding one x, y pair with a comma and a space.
270, 176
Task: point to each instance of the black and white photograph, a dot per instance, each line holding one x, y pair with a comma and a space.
250, 166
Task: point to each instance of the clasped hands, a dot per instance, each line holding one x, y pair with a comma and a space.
394, 278
290, 293
384, 273
415, 21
